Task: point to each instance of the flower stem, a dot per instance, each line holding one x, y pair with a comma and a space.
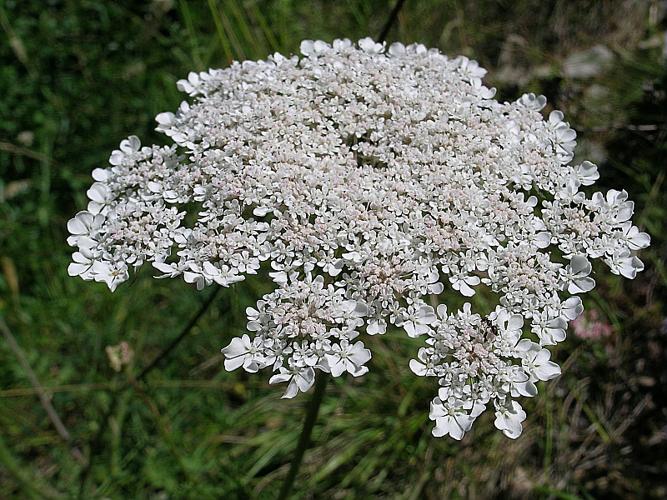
184, 333
307, 429
393, 15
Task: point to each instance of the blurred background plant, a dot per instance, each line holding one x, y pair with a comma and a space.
76, 77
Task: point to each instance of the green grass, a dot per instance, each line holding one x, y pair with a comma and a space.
76, 77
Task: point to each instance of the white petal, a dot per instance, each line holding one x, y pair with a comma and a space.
465, 289
305, 379
418, 368
75, 269
237, 347
165, 119
376, 327
515, 322
572, 308
307, 47
579, 265
98, 192
581, 285
444, 426
360, 355
547, 371
280, 378
292, 389
232, 364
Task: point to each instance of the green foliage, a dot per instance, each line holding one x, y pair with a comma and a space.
76, 77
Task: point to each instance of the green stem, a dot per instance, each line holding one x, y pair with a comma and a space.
304, 439
393, 15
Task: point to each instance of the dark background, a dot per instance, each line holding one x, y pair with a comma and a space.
76, 77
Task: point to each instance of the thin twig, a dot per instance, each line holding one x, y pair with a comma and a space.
44, 397
18, 392
648, 127
393, 15
186, 330
95, 443
8, 147
304, 439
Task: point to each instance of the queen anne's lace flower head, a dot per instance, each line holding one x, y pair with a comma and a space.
368, 180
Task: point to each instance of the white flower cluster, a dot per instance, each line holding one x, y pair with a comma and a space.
368, 180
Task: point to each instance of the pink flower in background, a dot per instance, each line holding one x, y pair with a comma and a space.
119, 355
590, 326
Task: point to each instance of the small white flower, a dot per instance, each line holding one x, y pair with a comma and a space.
222, 274
191, 85
587, 173
99, 196
452, 421
417, 319
625, 264
83, 227
101, 174
376, 326
349, 358
634, 239
464, 284
572, 308
196, 276
168, 270
532, 101
82, 265
535, 361
550, 330
470, 68
241, 352
111, 273
165, 121
577, 272
371, 47
616, 204
509, 419
128, 147
564, 136
423, 367
396, 49
298, 379
352, 312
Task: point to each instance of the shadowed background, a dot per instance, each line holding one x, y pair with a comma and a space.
76, 77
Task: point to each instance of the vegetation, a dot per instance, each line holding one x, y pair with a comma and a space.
76, 77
